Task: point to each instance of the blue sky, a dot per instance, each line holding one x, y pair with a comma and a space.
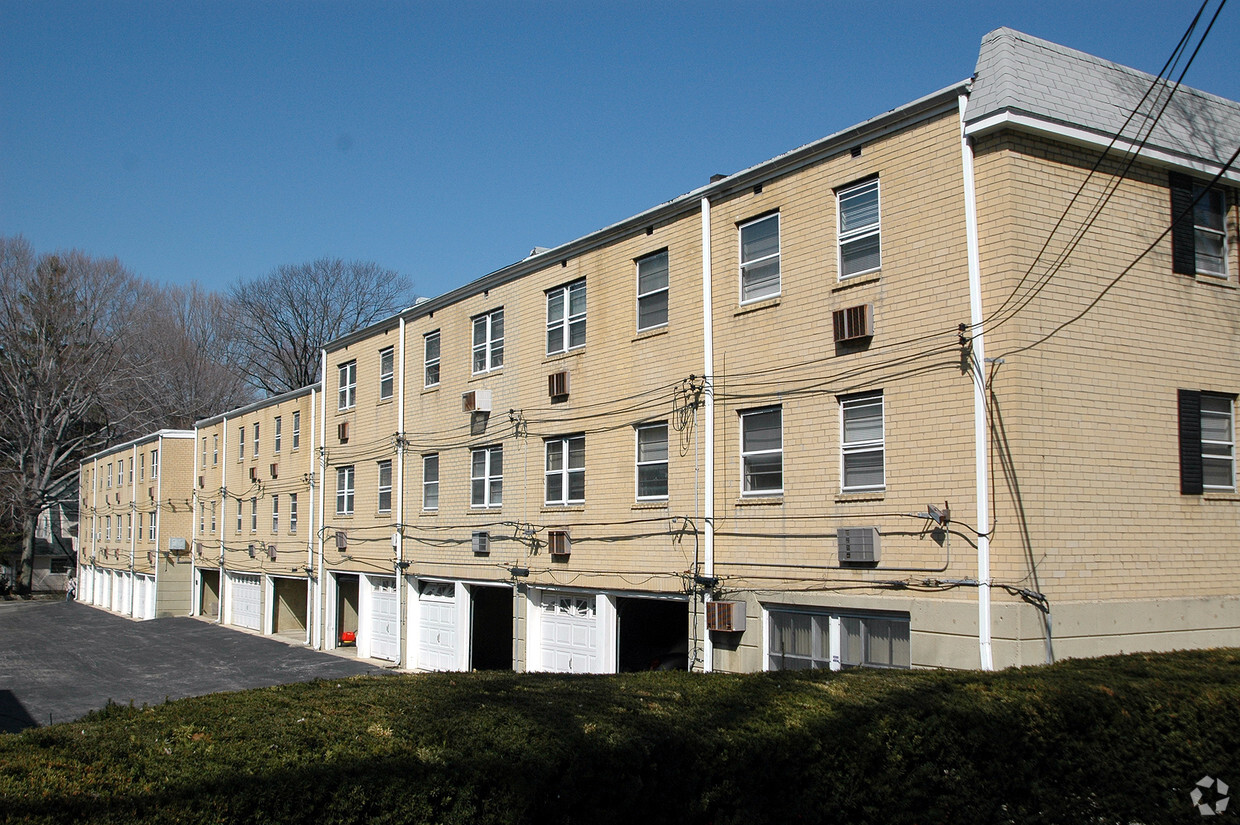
213, 141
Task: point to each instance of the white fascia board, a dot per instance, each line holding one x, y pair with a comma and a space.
1084, 137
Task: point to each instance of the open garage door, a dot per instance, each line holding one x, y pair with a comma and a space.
654, 634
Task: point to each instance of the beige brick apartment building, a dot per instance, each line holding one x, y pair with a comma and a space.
945, 388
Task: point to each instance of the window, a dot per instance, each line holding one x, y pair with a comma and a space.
151, 528
566, 470
296, 429
760, 258
387, 360
862, 442
254, 514
652, 291
107, 527
255, 439
486, 477
275, 515
142, 465
129, 480
762, 451
204, 455
1207, 442
344, 491
860, 250
120, 473
801, 640
430, 482
202, 518
430, 359
154, 464
238, 515
213, 517
566, 317
240, 443
489, 341
215, 449
276, 436
129, 526
141, 521
652, 461
385, 486
109, 475
292, 512
1199, 243
347, 381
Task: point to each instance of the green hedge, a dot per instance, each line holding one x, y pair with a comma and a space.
1120, 739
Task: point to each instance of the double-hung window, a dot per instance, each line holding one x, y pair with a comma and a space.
255, 440
430, 359
150, 534
387, 369
862, 444
296, 429
1199, 234
275, 515
346, 375
238, 515
142, 462
215, 449
254, 514
1207, 442
859, 235
154, 464
566, 470
804, 639
141, 526
486, 476
292, 512
120, 473
213, 517
129, 527
566, 317
488, 341
760, 258
652, 291
276, 436
344, 491
652, 461
204, 457
240, 443
430, 481
385, 486
762, 451
109, 475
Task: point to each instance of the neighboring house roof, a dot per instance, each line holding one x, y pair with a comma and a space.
1023, 81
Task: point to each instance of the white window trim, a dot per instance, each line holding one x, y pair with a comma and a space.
256, 436
292, 514
562, 445
562, 327
1203, 192
428, 362
662, 253
488, 477
639, 464
827, 646
777, 256
860, 233
490, 343
241, 443
878, 445
387, 374
743, 414
345, 490
1222, 450
346, 394
275, 515
296, 429
277, 436
426, 485
381, 488
254, 514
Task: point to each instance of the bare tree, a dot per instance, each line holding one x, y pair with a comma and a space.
286, 316
64, 324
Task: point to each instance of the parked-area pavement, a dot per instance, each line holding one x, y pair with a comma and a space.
59, 661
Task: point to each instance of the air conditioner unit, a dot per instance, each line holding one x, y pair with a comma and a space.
342, 540
253, 474
559, 543
150, 493
476, 401
481, 542
271, 552
178, 546
202, 482
275, 470
557, 384
853, 323
725, 617
198, 548
858, 545
342, 432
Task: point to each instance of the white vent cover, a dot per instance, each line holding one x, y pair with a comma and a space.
858, 545
482, 542
476, 401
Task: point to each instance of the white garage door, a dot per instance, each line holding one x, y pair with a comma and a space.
122, 596
246, 597
139, 597
437, 634
384, 619
570, 637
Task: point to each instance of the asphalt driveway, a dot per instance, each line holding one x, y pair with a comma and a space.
59, 661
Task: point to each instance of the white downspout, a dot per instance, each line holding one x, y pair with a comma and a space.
219, 610
195, 516
980, 428
316, 591
133, 509
320, 461
399, 507
708, 367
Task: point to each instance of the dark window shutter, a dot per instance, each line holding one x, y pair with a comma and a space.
1183, 238
1190, 442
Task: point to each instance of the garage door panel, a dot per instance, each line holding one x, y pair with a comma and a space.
437, 634
247, 597
570, 634
384, 620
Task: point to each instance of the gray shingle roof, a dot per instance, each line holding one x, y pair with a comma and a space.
1021, 74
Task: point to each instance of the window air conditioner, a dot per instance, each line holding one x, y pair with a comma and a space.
476, 401
481, 542
253, 474
557, 384
858, 545
202, 482
342, 432
342, 541
275, 470
853, 323
559, 543
725, 617
271, 552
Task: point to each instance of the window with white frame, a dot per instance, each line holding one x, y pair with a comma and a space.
344, 491
120, 473
255, 440
154, 464
652, 461
430, 359
800, 639
292, 513
1207, 442
1210, 230
239, 515
275, 514
430, 482
862, 444
760, 258
141, 527
254, 514
488, 341
107, 528
762, 451
213, 517
296, 429
142, 464
385, 486
204, 456
129, 526
109, 475
566, 470
202, 518
153, 525
215, 449
652, 291
277, 435
240, 443
346, 378
486, 476
859, 236
387, 369
566, 317
130, 476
